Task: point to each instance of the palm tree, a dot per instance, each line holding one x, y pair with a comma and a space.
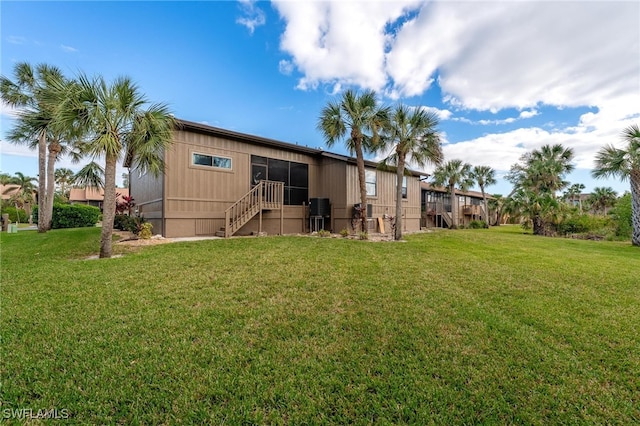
117, 123
64, 178
412, 133
573, 193
484, 176
36, 92
625, 164
359, 117
22, 192
541, 172
601, 198
450, 174
91, 175
496, 204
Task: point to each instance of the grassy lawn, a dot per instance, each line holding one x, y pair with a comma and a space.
478, 326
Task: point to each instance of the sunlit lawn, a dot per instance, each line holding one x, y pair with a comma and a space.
478, 326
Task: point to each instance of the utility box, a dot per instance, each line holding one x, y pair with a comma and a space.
12, 228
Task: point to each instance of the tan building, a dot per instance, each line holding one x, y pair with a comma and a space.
436, 207
94, 196
228, 183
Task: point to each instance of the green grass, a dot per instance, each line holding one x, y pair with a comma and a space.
477, 326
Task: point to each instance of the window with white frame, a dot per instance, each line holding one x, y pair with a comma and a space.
371, 178
404, 187
214, 161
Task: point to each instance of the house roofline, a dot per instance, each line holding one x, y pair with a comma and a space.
259, 140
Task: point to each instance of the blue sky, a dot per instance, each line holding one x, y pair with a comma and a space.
503, 77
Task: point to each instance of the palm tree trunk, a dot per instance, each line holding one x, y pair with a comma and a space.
486, 206
363, 183
635, 206
399, 177
42, 170
454, 207
108, 205
54, 149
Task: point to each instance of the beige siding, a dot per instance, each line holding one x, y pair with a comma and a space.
384, 202
197, 197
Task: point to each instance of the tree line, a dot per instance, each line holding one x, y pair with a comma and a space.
87, 118
410, 134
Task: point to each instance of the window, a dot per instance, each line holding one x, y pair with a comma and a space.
370, 179
211, 161
294, 175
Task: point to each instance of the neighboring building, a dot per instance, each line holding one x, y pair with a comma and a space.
436, 206
94, 196
223, 182
8, 191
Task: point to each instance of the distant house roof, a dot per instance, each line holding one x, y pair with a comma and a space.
430, 187
258, 140
7, 191
81, 195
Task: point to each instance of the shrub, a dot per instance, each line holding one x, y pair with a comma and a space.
128, 223
324, 233
478, 224
145, 230
15, 215
344, 232
74, 216
363, 235
621, 215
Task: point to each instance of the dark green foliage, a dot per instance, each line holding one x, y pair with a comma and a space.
585, 223
132, 224
15, 214
478, 224
622, 214
74, 216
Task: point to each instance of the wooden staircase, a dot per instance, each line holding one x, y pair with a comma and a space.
266, 195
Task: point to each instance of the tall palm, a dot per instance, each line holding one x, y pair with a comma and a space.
64, 179
412, 134
36, 93
624, 163
484, 176
450, 174
117, 122
360, 118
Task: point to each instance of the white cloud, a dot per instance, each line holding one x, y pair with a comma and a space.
285, 67
68, 49
340, 42
16, 40
253, 15
528, 113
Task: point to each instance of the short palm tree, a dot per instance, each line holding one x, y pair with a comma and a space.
601, 198
412, 133
573, 194
360, 119
116, 122
64, 179
451, 174
22, 192
484, 176
624, 163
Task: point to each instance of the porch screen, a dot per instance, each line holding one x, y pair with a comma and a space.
294, 175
